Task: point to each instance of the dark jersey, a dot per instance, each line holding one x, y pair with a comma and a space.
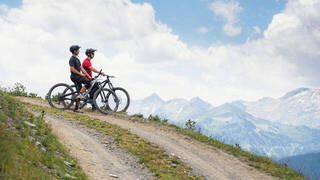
75, 62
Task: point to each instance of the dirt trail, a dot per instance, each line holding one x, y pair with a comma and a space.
95, 152
205, 160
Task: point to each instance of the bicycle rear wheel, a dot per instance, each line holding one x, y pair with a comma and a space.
124, 99
83, 102
60, 96
102, 102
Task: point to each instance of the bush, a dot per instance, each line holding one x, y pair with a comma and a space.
191, 125
154, 118
19, 90
139, 115
165, 121
32, 95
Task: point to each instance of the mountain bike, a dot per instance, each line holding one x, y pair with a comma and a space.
121, 93
63, 96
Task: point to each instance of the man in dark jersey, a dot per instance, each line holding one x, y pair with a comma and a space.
87, 66
77, 75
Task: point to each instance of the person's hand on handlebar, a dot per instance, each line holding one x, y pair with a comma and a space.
83, 75
103, 74
88, 76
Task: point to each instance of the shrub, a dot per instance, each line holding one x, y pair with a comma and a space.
191, 125
18, 90
154, 118
139, 115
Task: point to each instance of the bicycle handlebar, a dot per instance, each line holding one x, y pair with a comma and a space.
100, 72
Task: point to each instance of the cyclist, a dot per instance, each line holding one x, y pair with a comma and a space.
78, 74
87, 66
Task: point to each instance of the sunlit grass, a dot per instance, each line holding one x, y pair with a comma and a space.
162, 165
20, 158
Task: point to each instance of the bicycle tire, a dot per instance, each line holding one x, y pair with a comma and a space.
105, 110
127, 95
65, 106
83, 103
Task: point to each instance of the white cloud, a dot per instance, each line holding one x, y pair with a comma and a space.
257, 30
231, 30
202, 30
229, 11
147, 57
4, 8
295, 34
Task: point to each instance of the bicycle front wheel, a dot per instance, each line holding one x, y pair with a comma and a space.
103, 103
123, 97
60, 96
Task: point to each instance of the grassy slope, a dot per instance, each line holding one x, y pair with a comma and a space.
261, 163
20, 158
162, 165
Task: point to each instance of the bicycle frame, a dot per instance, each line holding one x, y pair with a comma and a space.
62, 97
103, 84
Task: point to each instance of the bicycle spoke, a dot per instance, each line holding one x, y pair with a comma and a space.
102, 102
60, 96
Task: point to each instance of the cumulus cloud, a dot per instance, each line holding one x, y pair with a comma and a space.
147, 57
229, 11
202, 30
3, 8
295, 34
257, 30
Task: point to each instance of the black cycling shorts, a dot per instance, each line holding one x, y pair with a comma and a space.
79, 80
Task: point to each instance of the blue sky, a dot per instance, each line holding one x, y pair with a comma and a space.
185, 18
11, 3
147, 58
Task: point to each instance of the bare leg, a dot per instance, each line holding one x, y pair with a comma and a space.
83, 89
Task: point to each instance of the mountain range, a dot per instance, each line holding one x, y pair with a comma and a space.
273, 127
308, 164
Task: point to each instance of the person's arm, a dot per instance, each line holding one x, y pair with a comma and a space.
95, 70
85, 72
72, 69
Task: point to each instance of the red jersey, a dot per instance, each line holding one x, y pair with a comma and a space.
86, 64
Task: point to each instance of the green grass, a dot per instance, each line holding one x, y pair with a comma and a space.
261, 163
162, 165
20, 158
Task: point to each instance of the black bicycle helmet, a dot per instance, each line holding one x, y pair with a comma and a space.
89, 51
74, 48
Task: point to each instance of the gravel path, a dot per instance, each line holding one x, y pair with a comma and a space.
97, 153
206, 161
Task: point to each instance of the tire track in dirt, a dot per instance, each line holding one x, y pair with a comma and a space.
95, 152
205, 160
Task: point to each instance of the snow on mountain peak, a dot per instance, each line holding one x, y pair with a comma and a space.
294, 92
196, 99
276, 127
199, 102
154, 97
298, 107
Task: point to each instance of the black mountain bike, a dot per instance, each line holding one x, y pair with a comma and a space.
62, 96
121, 94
